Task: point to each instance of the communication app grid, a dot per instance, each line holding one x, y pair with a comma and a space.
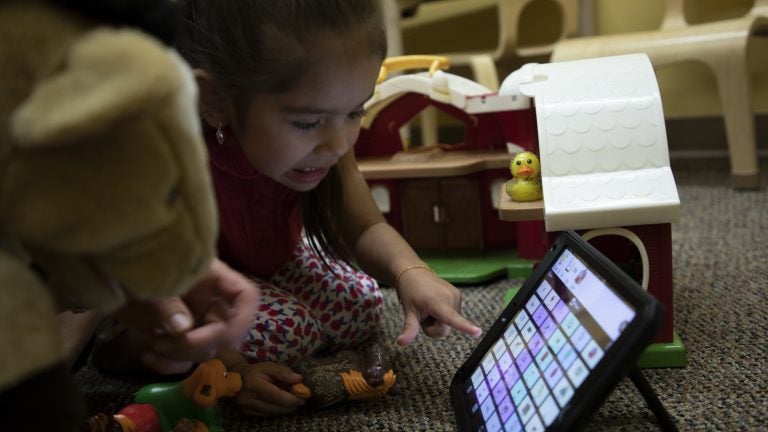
547, 351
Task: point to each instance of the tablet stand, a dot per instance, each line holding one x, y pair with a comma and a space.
652, 399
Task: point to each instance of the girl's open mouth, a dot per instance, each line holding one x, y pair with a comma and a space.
308, 175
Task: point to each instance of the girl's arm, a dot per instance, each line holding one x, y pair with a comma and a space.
428, 301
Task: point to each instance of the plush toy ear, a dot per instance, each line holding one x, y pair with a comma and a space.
199, 387
109, 76
205, 394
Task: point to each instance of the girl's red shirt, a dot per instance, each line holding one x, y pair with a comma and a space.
259, 219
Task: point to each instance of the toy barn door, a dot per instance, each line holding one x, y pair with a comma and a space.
421, 206
462, 228
442, 214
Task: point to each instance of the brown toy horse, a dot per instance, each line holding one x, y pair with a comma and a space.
347, 375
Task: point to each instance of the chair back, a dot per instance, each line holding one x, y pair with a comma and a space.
683, 13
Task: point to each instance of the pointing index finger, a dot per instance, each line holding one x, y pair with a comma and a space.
454, 319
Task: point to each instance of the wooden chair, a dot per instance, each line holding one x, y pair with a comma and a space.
720, 45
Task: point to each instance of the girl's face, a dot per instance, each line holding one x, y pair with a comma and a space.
295, 137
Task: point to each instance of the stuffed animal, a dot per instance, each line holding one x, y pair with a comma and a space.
104, 188
188, 405
526, 182
346, 375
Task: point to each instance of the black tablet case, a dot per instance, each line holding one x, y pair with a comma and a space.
616, 362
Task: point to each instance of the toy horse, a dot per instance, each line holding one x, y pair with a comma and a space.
347, 375
183, 406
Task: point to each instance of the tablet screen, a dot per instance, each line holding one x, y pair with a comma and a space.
547, 350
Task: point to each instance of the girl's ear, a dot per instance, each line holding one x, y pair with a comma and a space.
211, 102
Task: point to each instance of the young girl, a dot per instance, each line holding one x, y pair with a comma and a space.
282, 88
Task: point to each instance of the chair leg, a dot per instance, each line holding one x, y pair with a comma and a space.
734, 87
429, 125
484, 71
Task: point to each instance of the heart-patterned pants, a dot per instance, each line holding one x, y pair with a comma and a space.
310, 305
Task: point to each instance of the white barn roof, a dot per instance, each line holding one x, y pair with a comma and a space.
602, 142
450, 89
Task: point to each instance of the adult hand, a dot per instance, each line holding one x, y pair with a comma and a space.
216, 313
432, 304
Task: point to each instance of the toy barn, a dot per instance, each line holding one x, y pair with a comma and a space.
598, 126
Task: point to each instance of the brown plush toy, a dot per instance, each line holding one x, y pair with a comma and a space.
346, 375
104, 188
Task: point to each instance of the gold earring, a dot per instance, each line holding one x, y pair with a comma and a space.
220, 135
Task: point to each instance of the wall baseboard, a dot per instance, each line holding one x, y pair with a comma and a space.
707, 134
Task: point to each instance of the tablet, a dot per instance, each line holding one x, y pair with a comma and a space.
575, 328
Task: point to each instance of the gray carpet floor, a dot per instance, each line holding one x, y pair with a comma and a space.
720, 281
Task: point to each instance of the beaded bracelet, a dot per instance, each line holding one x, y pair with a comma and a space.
406, 270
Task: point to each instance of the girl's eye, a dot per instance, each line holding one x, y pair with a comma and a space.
304, 127
354, 115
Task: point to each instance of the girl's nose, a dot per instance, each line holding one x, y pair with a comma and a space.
334, 142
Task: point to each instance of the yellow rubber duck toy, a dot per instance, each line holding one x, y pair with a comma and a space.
526, 182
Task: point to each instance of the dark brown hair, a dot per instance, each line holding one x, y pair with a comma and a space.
254, 47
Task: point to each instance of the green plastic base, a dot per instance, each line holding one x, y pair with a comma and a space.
473, 268
665, 354
510, 294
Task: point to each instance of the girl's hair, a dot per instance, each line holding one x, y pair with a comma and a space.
252, 47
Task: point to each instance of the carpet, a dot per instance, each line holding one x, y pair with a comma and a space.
720, 281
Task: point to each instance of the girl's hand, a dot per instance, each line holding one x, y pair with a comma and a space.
266, 389
432, 304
